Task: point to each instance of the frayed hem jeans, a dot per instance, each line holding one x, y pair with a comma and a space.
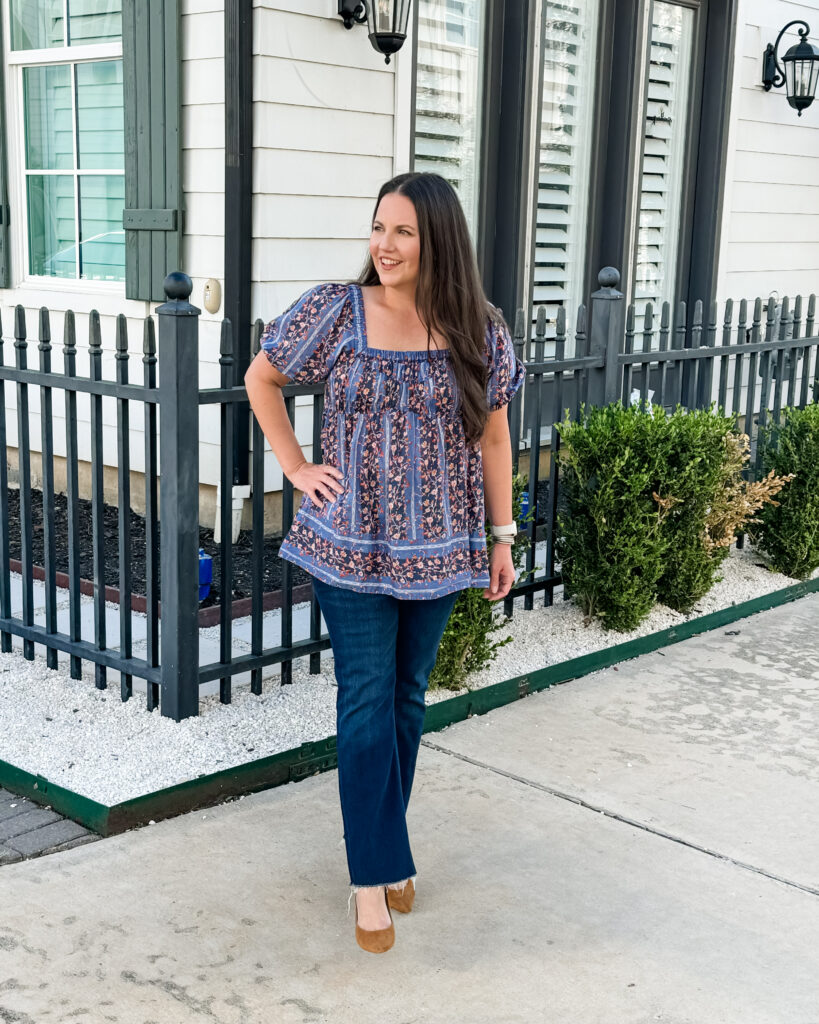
384, 650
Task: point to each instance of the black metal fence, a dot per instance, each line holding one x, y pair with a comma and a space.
171, 391
750, 368
45, 380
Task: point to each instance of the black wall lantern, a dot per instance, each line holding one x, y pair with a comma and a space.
386, 21
801, 69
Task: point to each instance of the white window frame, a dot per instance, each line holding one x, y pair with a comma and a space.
16, 61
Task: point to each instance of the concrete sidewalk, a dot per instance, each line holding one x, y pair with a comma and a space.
635, 847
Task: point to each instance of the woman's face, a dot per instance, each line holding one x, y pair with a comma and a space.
395, 246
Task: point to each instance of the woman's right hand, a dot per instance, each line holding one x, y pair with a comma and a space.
317, 481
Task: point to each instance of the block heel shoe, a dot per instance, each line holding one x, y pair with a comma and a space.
377, 940
402, 901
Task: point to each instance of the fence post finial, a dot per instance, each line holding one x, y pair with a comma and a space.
607, 323
609, 277
177, 286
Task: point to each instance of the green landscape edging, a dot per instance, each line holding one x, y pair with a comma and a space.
314, 757
39, 790
487, 698
204, 791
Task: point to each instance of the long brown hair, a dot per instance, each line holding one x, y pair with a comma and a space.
449, 296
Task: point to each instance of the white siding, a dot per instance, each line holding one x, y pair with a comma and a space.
771, 215
203, 184
324, 143
203, 150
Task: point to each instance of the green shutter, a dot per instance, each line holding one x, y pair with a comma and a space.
153, 166
5, 269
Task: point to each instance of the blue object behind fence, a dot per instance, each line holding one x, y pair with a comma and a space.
205, 574
524, 506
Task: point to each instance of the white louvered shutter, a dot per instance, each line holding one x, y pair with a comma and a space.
567, 118
448, 89
666, 116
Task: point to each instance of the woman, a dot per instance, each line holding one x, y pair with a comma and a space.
415, 445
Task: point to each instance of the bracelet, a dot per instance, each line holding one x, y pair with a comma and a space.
505, 534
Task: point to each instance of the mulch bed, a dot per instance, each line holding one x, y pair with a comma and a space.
242, 549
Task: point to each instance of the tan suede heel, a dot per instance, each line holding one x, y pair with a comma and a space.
402, 901
377, 940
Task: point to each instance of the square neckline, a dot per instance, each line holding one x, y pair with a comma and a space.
363, 339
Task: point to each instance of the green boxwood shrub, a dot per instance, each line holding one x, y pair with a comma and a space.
610, 540
699, 468
653, 501
788, 532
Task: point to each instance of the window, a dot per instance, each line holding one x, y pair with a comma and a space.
665, 139
564, 160
68, 54
447, 121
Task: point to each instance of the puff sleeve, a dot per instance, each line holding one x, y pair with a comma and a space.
300, 342
507, 372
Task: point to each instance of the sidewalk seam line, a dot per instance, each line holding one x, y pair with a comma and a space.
621, 817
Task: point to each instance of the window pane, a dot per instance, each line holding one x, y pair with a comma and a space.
665, 141
99, 115
48, 118
94, 21
447, 103
36, 24
102, 239
564, 160
52, 248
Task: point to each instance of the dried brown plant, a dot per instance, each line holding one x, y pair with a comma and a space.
665, 504
737, 502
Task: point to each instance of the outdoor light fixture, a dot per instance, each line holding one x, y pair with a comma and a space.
801, 68
386, 21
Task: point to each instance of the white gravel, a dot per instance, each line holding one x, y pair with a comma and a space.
88, 741
546, 636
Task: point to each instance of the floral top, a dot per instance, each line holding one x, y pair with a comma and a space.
410, 520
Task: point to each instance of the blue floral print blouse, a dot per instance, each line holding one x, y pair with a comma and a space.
410, 520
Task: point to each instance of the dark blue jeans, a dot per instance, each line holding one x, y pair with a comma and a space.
384, 650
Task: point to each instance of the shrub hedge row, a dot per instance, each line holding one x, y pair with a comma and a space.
650, 504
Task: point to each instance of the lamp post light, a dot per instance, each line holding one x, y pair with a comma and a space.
801, 69
386, 21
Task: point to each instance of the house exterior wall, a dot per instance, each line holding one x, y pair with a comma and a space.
770, 234
331, 123
203, 175
326, 136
